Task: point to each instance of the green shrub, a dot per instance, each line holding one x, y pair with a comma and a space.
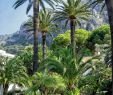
99, 36
63, 40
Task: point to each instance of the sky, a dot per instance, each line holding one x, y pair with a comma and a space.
11, 19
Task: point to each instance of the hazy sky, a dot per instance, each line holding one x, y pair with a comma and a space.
11, 19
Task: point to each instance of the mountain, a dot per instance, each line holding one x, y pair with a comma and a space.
15, 42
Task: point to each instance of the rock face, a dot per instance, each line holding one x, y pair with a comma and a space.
3, 39
21, 37
97, 18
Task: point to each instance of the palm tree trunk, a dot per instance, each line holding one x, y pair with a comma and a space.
5, 89
72, 35
46, 92
44, 45
36, 26
29, 71
71, 86
109, 4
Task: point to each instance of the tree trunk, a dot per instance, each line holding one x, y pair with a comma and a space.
29, 71
109, 4
72, 35
5, 89
36, 27
71, 86
93, 93
44, 45
46, 92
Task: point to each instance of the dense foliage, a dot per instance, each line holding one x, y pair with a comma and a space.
100, 35
59, 73
63, 40
78, 62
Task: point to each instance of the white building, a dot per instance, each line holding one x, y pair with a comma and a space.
5, 54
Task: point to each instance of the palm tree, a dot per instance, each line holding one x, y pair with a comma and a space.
72, 69
73, 11
46, 25
46, 84
36, 7
12, 72
109, 4
36, 26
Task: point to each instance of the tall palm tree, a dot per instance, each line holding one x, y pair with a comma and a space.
36, 8
72, 11
109, 4
46, 25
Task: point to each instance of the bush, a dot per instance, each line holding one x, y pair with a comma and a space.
63, 40
99, 36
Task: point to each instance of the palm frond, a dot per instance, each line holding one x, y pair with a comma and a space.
19, 3
29, 6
